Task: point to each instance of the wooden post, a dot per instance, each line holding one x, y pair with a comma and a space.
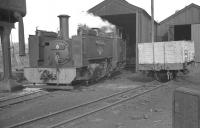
136, 43
152, 29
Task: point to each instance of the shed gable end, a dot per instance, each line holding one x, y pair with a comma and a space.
113, 7
188, 15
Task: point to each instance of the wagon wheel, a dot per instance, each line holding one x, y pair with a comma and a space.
174, 74
163, 76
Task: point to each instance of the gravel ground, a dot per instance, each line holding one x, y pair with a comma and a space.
152, 110
61, 99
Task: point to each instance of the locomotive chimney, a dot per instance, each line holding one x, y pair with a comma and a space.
64, 26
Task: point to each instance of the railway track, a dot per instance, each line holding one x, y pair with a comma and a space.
22, 97
64, 117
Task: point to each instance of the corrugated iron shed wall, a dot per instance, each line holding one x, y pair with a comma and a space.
144, 28
188, 15
196, 39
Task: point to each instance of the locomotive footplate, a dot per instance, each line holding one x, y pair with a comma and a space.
59, 76
50, 87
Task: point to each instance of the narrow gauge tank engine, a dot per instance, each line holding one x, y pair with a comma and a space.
90, 55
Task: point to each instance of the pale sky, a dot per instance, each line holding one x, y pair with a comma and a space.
43, 13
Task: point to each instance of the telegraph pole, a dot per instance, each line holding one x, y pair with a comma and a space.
152, 29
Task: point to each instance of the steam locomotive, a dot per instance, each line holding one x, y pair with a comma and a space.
54, 58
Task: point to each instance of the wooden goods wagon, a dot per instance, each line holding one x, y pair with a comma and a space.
165, 59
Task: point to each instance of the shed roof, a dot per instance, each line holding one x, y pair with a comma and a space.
115, 7
192, 5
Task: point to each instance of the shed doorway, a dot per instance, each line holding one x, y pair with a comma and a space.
127, 24
182, 32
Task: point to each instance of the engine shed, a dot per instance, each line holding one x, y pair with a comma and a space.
182, 25
134, 24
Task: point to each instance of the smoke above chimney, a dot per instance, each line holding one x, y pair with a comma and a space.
94, 22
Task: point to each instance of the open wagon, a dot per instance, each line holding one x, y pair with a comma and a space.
165, 59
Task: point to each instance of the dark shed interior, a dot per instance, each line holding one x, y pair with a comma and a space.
127, 25
182, 32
